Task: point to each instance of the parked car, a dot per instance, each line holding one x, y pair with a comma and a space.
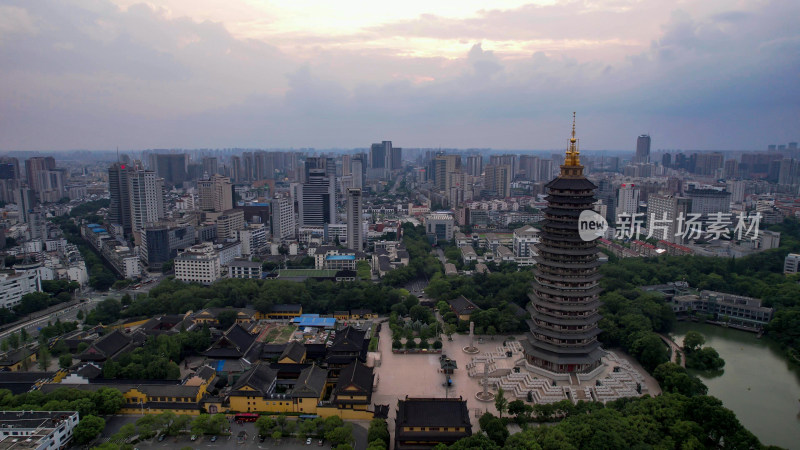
194, 437
320, 443
213, 439
308, 441
162, 437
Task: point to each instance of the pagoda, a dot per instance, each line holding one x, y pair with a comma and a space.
565, 293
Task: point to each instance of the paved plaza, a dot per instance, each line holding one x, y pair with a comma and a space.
419, 375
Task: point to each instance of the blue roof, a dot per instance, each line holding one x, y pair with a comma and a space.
305, 321
99, 230
93, 225
340, 257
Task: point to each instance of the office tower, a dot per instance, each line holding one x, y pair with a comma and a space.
216, 194
355, 220
282, 222
210, 166
505, 160
119, 209
475, 165
498, 180
380, 159
26, 202
172, 168
529, 166
642, 149
396, 158
9, 168
147, 198
662, 216
709, 201
317, 199
565, 295
666, 160
627, 200
443, 165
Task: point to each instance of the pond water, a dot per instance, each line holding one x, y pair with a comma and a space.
757, 382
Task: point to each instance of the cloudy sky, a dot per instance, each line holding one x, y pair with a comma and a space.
96, 74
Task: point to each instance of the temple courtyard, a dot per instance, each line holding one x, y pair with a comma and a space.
419, 375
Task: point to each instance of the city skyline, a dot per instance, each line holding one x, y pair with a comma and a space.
702, 75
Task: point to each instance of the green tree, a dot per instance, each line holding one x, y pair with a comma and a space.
378, 430
693, 341
340, 435
108, 400
88, 428
500, 401
265, 425
65, 360
43, 360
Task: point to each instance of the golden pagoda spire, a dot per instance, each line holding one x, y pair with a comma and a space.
573, 155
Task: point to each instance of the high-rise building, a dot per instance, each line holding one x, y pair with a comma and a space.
347, 167
395, 161
545, 169
498, 180
317, 205
662, 216
529, 167
378, 154
475, 165
789, 172
642, 149
505, 160
172, 167
357, 172
627, 200
442, 166
44, 179
146, 192
355, 220
216, 193
282, 219
237, 171
737, 189
9, 168
119, 209
26, 202
210, 166
36, 164
565, 294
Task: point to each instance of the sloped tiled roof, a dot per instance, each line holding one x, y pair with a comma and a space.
294, 351
260, 377
311, 382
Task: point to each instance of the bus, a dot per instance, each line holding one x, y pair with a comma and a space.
246, 417
307, 417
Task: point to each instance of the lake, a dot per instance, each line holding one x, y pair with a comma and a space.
757, 383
